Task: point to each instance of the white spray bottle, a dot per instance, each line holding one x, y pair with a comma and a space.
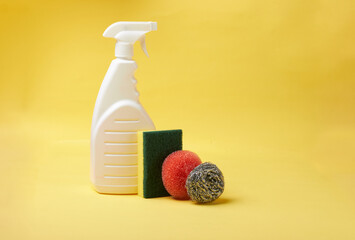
118, 115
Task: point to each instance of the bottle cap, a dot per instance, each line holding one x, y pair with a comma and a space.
126, 34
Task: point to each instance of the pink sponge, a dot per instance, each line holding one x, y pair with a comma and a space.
176, 167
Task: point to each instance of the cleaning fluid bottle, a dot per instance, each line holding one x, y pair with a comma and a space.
118, 115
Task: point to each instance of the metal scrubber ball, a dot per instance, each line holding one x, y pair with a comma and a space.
205, 183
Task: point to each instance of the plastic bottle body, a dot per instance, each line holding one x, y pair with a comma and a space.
117, 117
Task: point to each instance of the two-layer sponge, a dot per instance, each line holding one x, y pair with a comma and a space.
153, 148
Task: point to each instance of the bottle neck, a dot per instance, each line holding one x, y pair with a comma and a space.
124, 50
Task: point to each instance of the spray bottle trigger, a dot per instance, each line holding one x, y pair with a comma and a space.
144, 48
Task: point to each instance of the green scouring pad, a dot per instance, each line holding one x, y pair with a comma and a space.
153, 148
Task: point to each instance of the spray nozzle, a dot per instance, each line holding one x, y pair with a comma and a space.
126, 34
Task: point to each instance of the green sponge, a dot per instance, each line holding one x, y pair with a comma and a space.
153, 148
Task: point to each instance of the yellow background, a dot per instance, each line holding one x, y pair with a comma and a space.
264, 89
